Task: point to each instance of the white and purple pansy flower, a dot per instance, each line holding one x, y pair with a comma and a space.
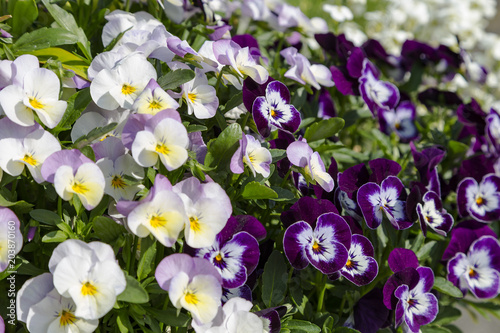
377, 94
374, 200
361, 268
400, 121
479, 270
274, 110
417, 306
325, 247
432, 214
235, 259
481, 201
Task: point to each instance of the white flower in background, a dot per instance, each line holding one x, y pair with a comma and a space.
89, 275
25, 146
91, 119
338, 13
9, 225
120, 85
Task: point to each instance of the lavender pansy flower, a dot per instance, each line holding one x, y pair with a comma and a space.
274, 110
417, 306
479, 270
374, 200
325, 247
361, 268
301, 154
251, 153
481, 201
377, 94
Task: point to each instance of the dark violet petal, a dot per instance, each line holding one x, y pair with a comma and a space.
251, 90
355, 62
343, 82
408, 276
429, 311
364, 243
245, 40
329, 260
365, 272
292, 244
411, 202
307, 209
368, 196
275, 89
337, 225
434, 184
370, 314
490, 245
432, 97
260, 113
326, 107
477, 167
244, 292
456, 268
400, 259
426, 279
352, 178
239, 223
401, 294
334, 276
251, 253
382, 168
462, 201
292, 124
274, 320
354, 225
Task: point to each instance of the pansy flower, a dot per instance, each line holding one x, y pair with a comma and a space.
301, 154
375, 200
479, 269
11, 239
481, 201
377, 94
400, 121
251, 153
325, 247
432, 214
274, 110
361, 268
193, 284
154, 99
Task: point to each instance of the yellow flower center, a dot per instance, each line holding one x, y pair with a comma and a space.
128, 89
316, 247
192, 97
162, 149
349, 264
397, 126
88, 289
36, 103
479, 201
67, 318
191, 298
155, 105
30, 160
194, 223
472, 273
218, 258
273, 113
118, 182
157, 221
79, 188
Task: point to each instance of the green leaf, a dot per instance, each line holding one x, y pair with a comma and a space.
277, 154
174, 79
324, 129
45, 216
134, 292
95, 134
196, 128
235, 101
274, 280
446, 315
76, 104
301, 326
170, 316
68, 60
255, 190
21, 205
67, 21
446, 287
146, 262
283, 194
55, 237
24, 14
434, 329
43, 38
224, 146
107, 229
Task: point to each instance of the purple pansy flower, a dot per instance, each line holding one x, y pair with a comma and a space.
493, 131
479, 270
417, 306
361, 268
374, 200
404, 264
369, 313
377, 94
325, 247
307, 209
426, 163
274, 110
481, 201
400, 121
431, 213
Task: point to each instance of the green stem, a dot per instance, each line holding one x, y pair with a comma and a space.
219, 79
321, 288
286, 177
131, 257
59, 207
342, 304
